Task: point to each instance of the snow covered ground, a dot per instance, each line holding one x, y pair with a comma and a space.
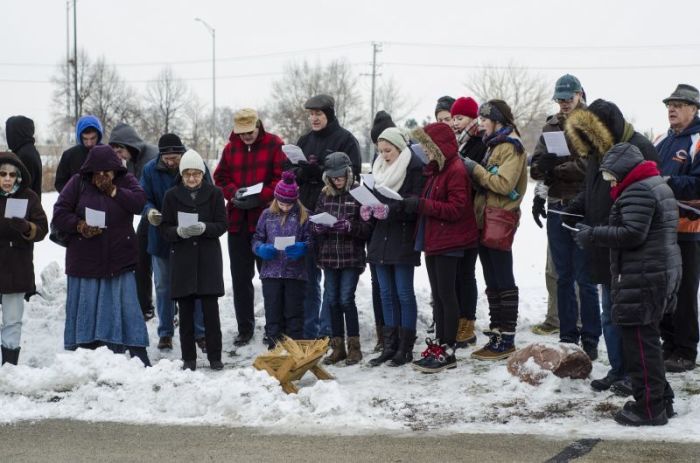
475, 397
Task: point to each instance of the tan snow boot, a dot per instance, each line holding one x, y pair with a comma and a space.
338, 353
354, 351
465, 333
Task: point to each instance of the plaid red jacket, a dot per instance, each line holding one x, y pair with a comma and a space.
241, 166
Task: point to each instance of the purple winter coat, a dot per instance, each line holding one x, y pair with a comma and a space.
114, 251
269, 227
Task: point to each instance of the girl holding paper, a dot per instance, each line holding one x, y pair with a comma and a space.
340, 252
19, 230
102, 307
283, 271
391, 247
196, 266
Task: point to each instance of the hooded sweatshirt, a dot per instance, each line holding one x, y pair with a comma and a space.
73, 158
141, 152
19, 131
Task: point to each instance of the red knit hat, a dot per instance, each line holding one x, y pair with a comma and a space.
287, 190
442, 135
465, 106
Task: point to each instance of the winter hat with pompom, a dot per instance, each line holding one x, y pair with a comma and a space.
191, 160
287, 190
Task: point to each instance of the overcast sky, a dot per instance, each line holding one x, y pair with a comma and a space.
630, 52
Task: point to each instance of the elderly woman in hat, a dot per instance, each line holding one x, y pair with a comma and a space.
17, 237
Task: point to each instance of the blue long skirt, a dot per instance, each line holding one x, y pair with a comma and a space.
104, 310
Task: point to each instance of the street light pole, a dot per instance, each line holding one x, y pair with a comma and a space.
212, 31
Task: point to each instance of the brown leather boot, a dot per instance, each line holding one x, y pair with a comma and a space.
465, 333
354, 351
338, 353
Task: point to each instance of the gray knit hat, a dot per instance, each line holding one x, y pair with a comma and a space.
395, 137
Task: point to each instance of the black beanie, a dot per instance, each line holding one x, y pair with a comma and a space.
170, 143
324, 103
444, 103
382, 120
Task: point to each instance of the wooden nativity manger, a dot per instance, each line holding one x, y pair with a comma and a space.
291, 359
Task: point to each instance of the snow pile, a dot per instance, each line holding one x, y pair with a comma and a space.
474, 397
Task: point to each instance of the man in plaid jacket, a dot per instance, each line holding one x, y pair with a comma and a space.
252, 156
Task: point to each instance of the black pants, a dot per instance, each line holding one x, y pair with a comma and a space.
376, 297
144, 270
645, 365
500, 288
284, 307
243, 262
212, 327
466, 284
442, 273
679, 330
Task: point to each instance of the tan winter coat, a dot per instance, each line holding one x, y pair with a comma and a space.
495, 188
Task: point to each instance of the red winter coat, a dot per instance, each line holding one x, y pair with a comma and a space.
244, 166
446, 208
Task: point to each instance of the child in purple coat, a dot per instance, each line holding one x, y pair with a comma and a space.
283, 271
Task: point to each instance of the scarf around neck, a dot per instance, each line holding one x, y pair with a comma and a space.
391, 175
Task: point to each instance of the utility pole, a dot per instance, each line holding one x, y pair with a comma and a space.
68, 82
376, 48
75, 62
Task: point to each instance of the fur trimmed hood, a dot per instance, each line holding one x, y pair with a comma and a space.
330, 190
439, 144
587, 133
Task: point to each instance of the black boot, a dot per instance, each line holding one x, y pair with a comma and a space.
10, 355
404, 354
391, 342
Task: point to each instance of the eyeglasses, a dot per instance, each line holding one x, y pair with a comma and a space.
676, 104
193, 174
4, 174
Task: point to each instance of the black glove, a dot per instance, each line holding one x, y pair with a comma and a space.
311, 170
583, 237
538, 210
20, 225
547, 162
247, 202
410, 205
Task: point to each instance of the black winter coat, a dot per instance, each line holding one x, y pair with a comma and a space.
592, 136
16, 249
321, 143
19, 131
474, 148
393, 240
196, 267
645, 259
71, 161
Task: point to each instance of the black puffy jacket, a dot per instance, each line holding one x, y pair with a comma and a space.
592, 132
645, 260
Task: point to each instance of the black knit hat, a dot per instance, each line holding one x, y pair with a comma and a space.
170, 143
324, 103
382, 120
444, 103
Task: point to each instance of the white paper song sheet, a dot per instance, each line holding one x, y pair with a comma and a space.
364, 196
293, 153
368, 180
185, 219
95, 218
554, 211
389, 193
253, 190
569, 227
15, 207
281, 242
556, 143
324, 218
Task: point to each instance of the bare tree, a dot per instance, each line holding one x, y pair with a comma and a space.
392, 99
196, 118
528, 95
165, 101
301, 81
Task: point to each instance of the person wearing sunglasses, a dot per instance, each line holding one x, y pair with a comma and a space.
17, 238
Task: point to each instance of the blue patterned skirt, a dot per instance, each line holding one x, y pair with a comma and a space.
104, 310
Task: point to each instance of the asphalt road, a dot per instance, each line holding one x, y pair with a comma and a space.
73, 441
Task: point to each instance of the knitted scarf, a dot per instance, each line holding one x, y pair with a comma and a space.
642, 171
502, 136
391, 175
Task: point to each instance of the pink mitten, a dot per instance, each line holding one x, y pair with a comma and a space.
380, 211
366, 212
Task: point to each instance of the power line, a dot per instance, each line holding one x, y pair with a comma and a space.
545, 68
544, 47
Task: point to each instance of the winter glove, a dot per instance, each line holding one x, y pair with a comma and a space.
538, 210
296, 251
248, 202
366, 213
342, 226
470, 164
240, 192
311, 169
104, 184
583, 237
410, 205
266, 251
319, 229
87, 231
380, 211
196, 229
547, 162
313, 160
20, 225
154, 217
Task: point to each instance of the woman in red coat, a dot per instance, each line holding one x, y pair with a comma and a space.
446, 227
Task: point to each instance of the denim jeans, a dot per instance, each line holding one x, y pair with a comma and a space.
612, 335
12, 311
315, 324
570, 264
339, 293
396, 284
165, 306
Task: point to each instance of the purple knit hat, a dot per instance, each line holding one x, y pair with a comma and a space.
287, 190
